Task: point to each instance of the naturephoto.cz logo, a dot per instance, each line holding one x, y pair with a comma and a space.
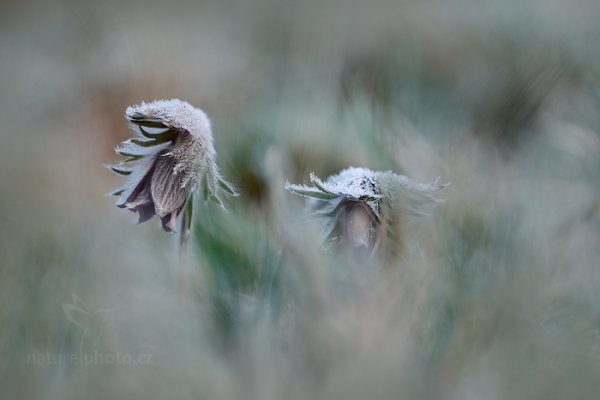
93, 358
91, 325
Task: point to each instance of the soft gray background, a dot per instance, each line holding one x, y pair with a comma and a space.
494, 296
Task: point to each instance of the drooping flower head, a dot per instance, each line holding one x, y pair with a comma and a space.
171, 155
356, 205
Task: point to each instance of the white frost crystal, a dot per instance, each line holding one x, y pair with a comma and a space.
171, 156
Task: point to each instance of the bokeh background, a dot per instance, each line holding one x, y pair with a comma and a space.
494, 295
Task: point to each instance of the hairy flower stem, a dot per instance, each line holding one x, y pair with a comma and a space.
170, 157
185, 225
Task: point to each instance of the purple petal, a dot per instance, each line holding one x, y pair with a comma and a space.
169, 221
140, 199
145, 212
167, 194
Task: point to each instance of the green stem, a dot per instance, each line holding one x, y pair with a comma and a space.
184, 235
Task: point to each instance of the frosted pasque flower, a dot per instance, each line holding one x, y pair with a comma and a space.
172, 154
358, 205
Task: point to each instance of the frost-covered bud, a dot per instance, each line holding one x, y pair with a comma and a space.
172, 155
357, 202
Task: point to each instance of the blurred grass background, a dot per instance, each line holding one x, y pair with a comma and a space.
494, 296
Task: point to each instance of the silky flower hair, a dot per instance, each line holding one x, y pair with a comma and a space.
358, 205
170, 157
